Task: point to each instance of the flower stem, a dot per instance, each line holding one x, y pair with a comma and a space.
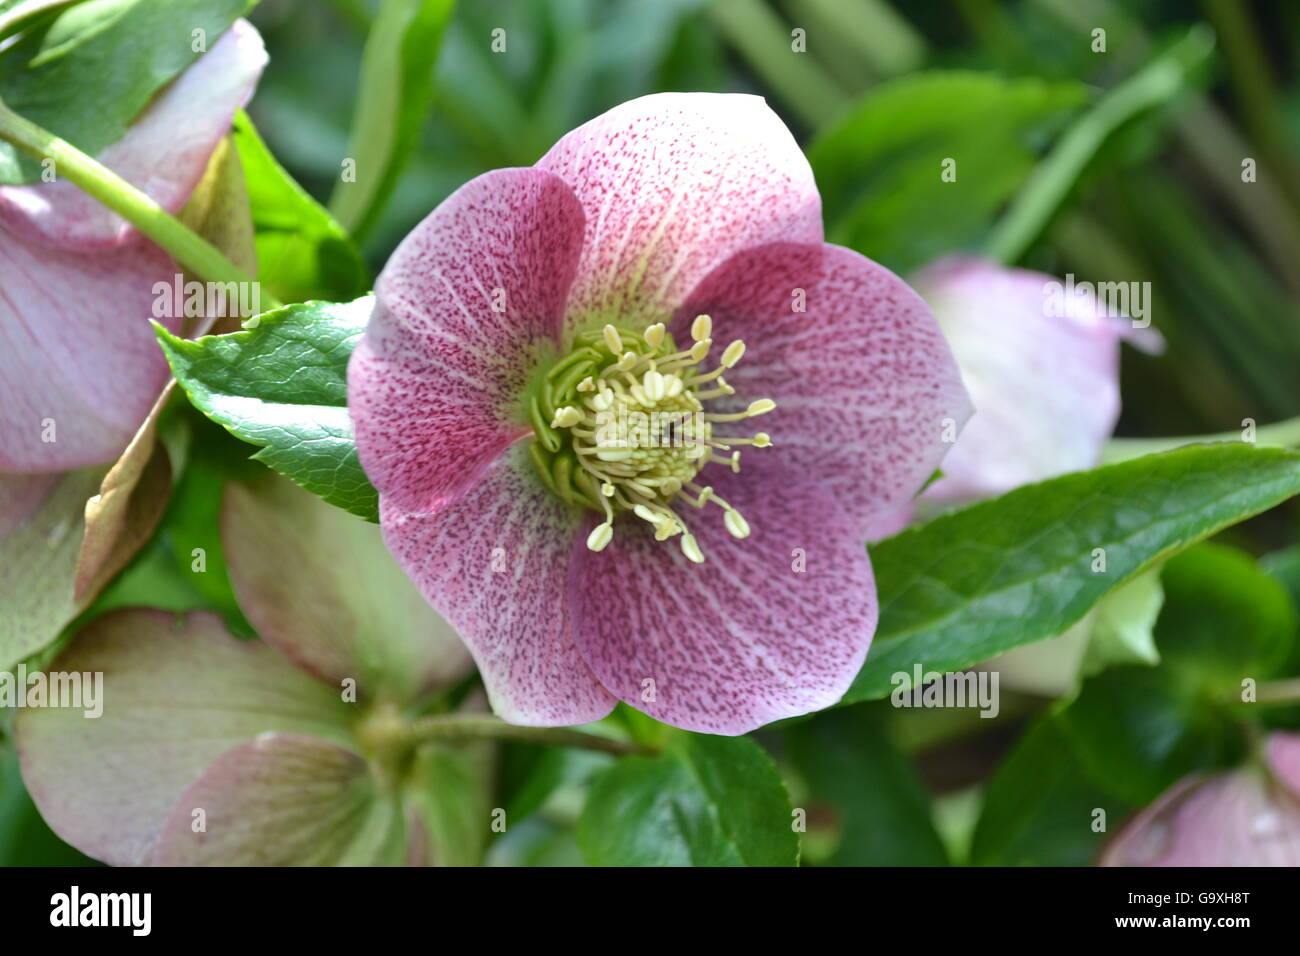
1279, 692
1156, 84
763, 42
464, 728
190, 250
1283, 434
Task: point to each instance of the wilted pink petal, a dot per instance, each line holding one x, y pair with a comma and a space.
496, 565
318, 584
1045, 386
130, 502
465, 306
1246, 817
771, 626
283, 800
864, 382
672, 185
175, 696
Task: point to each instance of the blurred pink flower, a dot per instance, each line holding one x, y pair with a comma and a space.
1246, 817
79, 367
1042, 369
211, 750
531, 302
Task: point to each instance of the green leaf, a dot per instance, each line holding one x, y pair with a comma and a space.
1225, 618
1039, 808
879, 168
86, 73
704, 801
528, 775
302, 253
1139, 730
1136, 734
450, 804
282, 385
1019, 568
19, 14
396, 87
848, 761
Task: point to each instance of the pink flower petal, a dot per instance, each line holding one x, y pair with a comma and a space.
1283, 753
284, 800
745, 638
1045, 387
1241, 818
673, 184
174, 698
864, 382
319, 585
78, 359
164, 153
434, 386
495, 564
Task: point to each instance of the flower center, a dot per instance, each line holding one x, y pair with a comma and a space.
621, 426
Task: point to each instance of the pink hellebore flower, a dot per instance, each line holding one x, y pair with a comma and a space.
528, 337
1042, 369
79, 367
1247, 817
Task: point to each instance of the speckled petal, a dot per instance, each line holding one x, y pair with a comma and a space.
496, 565
463, 307
771, 626
865, 386
673, 184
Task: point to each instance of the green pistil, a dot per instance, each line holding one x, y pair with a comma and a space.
620, 427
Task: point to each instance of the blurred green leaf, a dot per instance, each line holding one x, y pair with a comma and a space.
19, 14
1019, 568
1039, 808
395, 89
451, 806
704, 801
1162, 80
529, 774
282, 385
848, 761
1139, 730
87, 72
302, 253
879, 168
1136, 735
